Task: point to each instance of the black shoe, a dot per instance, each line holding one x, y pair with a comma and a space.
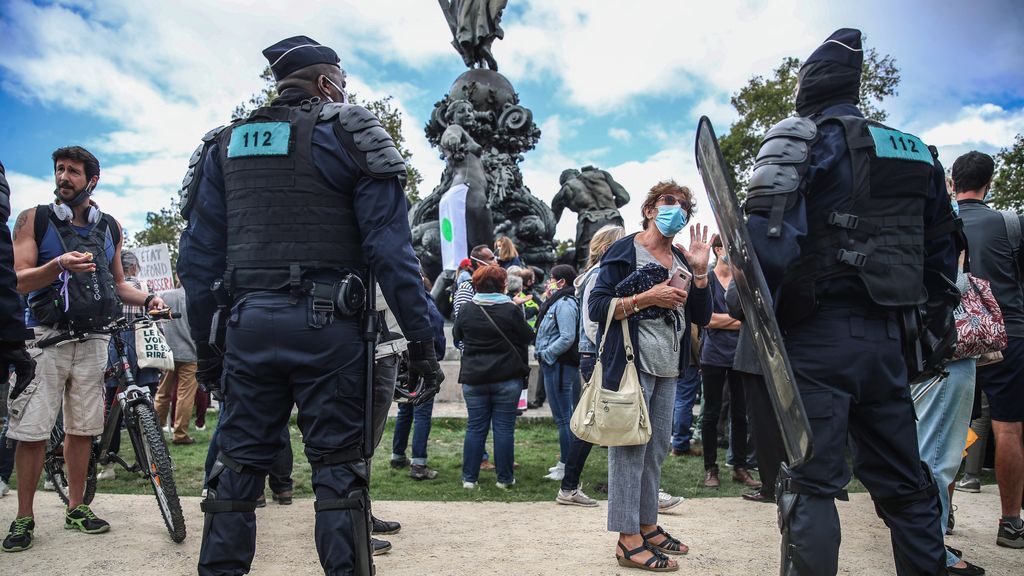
380, 546
1010, 536
399, 463
969, 570
83, 520
422, 472
534, 405
384, 527
261, 502
20, 537
284, 498
958, 553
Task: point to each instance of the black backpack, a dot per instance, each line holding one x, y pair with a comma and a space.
91, 299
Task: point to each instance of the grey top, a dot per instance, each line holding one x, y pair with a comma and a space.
746, 359
658, 350
991, 258
176, 331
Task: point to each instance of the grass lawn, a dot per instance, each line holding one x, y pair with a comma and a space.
536, 450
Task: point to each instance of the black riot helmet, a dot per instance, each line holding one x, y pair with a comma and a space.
831, 74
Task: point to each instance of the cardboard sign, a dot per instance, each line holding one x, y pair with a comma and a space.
155, 267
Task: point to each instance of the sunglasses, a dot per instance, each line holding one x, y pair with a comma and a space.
670, 200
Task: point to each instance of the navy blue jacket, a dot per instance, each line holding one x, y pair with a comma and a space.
382, 214
618, 262
830, 181
12, 312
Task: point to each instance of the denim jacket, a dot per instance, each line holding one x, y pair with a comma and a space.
557, 331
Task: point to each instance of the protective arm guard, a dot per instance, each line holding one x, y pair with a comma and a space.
779, 170
365, 140
189, 185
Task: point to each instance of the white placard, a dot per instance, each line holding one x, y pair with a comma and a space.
155, 267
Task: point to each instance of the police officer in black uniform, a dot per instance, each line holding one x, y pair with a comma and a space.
291, 213
13, 333
855, 234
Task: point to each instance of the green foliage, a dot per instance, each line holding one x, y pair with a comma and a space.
564, 246
163, 227
390, 117
1008, 184
763, 102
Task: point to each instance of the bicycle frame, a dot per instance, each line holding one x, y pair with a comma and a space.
129, 394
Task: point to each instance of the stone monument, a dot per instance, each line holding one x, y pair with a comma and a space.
595, 197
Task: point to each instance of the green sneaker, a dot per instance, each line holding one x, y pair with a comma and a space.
82, 518
20, 537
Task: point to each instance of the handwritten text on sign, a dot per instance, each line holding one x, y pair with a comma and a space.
155, 267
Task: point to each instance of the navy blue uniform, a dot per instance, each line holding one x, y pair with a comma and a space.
12, 313
275, 358
848, 362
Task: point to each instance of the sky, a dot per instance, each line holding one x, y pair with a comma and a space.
619, 85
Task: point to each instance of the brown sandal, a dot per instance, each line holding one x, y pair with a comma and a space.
658, 562
669, 545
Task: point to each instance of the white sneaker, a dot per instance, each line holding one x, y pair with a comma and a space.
575, 498
553, 468
469, 485
48, 485
667, 501
504, 486
201, 428
108, 472
4, 488
557, 473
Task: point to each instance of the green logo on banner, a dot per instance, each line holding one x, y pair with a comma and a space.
446, 230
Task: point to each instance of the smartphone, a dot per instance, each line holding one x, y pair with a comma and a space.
680, 279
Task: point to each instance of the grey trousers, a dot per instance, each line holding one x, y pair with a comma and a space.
634, 472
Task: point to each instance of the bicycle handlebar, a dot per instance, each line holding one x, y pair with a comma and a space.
118, 325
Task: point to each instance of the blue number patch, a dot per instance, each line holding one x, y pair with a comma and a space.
260, 139
900, 145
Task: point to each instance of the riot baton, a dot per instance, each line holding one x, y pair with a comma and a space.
371, 329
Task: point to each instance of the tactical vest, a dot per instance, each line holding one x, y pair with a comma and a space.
283, 218
877, 234
82, 300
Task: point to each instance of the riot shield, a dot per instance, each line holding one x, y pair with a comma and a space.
755, 298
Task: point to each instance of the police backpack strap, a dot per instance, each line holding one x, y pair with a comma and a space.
366, 140
779, 170
189, 185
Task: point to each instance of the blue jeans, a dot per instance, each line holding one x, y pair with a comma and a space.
943, 415
559, 382
417, 419
490, 405
579, 449
682, 417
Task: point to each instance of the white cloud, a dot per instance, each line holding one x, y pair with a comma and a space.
986, 125
620, 134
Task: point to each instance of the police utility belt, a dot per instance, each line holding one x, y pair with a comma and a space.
345, 298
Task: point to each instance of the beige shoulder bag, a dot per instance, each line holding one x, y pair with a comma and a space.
610, 417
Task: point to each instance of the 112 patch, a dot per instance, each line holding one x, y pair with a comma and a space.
260, 139
891, 143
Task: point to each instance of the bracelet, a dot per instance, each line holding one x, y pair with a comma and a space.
701, 276
148, 300
635, 307
622, 302
60, 264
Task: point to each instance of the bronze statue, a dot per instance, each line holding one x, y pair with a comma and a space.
474, 25
595, 197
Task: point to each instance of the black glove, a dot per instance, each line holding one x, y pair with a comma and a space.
209, 367
423, 365
13, 353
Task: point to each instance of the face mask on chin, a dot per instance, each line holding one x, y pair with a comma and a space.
670, 220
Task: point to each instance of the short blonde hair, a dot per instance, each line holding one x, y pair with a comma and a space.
600, 242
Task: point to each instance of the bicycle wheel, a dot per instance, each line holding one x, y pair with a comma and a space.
158, 468
56, 470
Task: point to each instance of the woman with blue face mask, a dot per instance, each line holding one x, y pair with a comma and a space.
658, 319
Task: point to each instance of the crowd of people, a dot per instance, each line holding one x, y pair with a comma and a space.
306, 320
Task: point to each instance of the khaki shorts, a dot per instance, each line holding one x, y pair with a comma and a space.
69, 374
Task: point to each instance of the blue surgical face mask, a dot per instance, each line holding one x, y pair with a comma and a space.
670, 220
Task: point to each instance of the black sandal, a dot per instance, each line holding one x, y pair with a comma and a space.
658, 562
669, 545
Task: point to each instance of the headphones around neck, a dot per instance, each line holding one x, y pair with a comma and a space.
64, 212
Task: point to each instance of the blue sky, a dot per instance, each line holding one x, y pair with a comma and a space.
616, 84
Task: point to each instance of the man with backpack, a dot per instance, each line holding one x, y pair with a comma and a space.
994, 246
67, 256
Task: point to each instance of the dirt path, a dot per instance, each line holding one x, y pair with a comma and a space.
727, 537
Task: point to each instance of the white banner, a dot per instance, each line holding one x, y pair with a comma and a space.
155, 267
452, 217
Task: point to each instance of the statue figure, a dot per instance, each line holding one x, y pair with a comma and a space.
474, 25
595, 197
462, 154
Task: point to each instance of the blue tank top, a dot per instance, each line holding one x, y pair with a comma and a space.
50, 248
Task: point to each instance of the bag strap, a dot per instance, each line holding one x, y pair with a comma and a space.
500, 331
1013, 234
626, 340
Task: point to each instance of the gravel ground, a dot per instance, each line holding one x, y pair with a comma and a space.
726, 537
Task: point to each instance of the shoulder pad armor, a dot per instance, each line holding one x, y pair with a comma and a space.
365, 139
779, 169
793, 127
186, 196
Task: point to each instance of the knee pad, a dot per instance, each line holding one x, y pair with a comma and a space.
211, 505
356, 505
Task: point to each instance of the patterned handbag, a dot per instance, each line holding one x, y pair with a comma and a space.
979, 321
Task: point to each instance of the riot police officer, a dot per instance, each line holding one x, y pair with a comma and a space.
291, 212
13, 333
855, 235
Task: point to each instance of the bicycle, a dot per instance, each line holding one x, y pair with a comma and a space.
135, 403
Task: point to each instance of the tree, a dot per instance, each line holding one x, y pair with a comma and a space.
163, 227
390, 117
1008, 184
763, 102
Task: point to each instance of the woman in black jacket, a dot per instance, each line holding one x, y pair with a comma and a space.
495, 336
